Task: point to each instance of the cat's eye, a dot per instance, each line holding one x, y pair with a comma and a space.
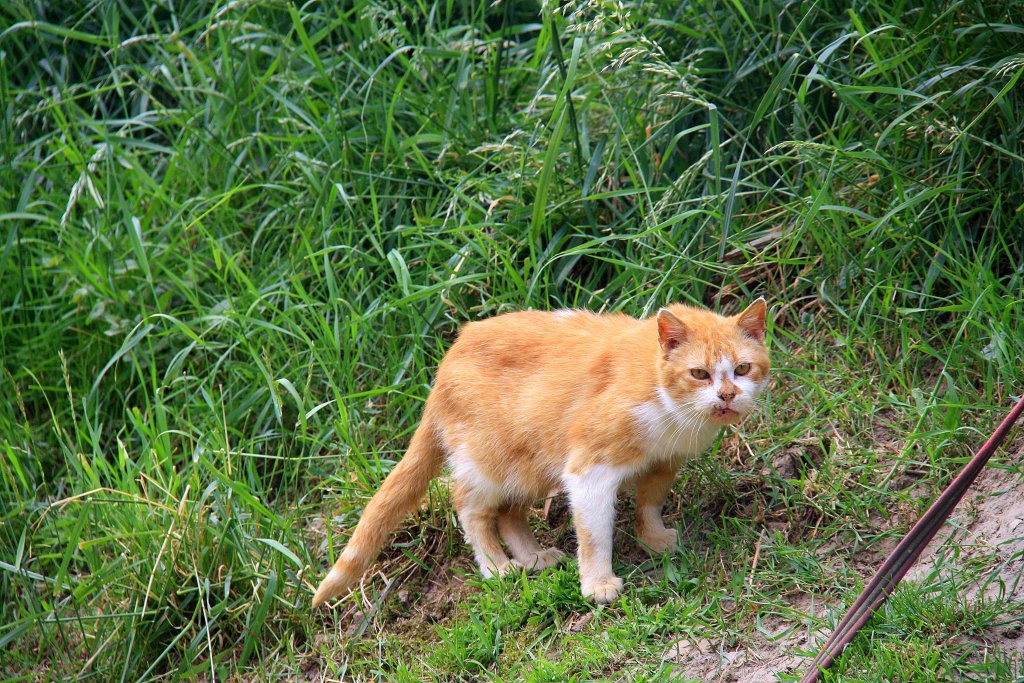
699, 373
742, 369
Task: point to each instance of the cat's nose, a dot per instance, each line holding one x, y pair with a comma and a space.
727, 395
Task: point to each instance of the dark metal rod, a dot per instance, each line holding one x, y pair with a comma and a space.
906, 553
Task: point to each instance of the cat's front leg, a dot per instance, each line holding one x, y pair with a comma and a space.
592, 490
651, 489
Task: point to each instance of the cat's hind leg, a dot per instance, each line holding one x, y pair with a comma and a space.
479, 519
522, 544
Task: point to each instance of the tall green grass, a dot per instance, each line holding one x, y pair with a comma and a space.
237, 237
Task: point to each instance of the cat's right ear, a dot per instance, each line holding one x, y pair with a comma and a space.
671, 331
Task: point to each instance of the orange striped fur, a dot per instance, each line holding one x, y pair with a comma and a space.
528, 402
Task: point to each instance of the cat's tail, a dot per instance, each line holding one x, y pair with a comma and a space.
398, 496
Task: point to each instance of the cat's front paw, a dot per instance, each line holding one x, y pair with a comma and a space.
602, 589
543, 559
660, 540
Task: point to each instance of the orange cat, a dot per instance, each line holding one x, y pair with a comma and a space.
527, 402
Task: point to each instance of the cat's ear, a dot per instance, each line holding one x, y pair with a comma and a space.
751, 321
671, 331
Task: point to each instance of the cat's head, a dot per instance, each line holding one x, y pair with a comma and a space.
713, 366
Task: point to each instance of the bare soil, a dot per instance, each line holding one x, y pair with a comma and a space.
759, 659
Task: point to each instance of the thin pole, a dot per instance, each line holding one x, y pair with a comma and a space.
906, 553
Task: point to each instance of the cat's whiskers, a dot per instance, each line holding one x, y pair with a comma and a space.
685, 421
687, 414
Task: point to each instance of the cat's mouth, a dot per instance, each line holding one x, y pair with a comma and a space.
725, 414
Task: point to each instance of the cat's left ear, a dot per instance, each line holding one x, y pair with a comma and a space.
752, 321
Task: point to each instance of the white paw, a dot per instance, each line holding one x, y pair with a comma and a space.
602, 589
660, 540
548, 557
489, 570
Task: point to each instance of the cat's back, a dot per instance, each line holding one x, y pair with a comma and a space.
532, 341
551, 331
522, 379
